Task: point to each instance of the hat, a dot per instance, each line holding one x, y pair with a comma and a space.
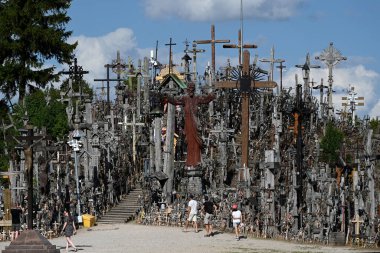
234, 206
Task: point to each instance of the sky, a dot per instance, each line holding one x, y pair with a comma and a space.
293, 28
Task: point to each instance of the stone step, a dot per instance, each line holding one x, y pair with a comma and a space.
125, 210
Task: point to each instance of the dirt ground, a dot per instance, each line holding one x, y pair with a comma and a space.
136, 238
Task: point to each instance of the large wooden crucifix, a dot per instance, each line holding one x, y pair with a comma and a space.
213, 41
246, 83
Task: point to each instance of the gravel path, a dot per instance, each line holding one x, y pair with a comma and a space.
146, 239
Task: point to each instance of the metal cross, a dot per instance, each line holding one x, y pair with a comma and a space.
306, 73
75, 71
331, 57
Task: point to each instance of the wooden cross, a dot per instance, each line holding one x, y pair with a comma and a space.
133, 124
213, 41
239, 46
170, 44
357, 222
245, 104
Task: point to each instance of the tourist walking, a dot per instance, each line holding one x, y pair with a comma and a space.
236, 220
192, 209
16, 213
208, 208
69, 229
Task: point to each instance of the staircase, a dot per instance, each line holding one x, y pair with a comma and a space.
125, 210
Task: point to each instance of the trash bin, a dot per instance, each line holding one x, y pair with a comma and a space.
88, 220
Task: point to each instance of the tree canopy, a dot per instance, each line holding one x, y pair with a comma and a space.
331, 143
32, 32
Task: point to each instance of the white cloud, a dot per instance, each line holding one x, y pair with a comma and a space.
94, 52
364, 80
214, 10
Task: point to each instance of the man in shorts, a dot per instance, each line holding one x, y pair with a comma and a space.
208, 208
16, 212
192, 209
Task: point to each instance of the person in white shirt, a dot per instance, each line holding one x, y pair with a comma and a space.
192, 209
236, 220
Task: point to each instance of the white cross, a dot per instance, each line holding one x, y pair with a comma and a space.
133, 124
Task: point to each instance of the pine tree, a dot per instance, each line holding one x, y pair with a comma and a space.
31, 33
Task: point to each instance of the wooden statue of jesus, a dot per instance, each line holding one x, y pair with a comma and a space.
190, 103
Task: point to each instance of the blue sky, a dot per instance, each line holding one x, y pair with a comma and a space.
293, 27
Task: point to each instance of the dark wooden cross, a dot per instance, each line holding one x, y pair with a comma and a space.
76, 73
170, 44
213, 41
245, 80
239, 46
118, 66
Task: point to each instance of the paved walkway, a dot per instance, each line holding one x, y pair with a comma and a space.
135, 238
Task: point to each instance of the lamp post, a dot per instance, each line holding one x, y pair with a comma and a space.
75, 143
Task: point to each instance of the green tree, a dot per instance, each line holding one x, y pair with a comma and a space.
42, 113
331, 143
32, 32
374, 125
